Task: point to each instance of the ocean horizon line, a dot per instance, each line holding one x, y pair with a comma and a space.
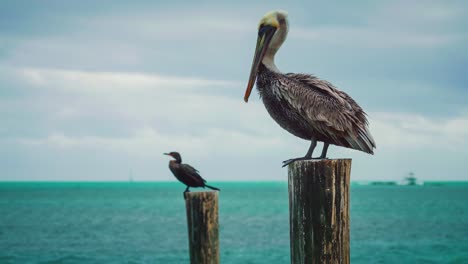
356, 182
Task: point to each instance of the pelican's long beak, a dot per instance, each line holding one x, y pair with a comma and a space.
265, 33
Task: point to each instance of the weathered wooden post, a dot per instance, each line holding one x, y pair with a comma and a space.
203, 230
319, 211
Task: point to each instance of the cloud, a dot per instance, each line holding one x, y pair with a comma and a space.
174, 103
416, 14
392, 131
107, 89
402, 146
146, 98
146, 141
112, 81
200, 24
181, 40
394, 25
179, 101
151, 114
415, 131
373, 37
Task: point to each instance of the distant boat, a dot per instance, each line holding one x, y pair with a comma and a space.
411, 180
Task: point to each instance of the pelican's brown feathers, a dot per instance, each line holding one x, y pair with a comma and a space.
314, 108
302, 104
331, 112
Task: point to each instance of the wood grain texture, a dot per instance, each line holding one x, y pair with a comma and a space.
203, 229
319, 211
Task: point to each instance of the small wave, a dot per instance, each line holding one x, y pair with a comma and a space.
7, 259
66, 260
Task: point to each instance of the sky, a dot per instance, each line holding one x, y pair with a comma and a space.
98, 90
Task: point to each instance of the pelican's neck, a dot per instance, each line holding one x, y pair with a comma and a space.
276, 41
269, 61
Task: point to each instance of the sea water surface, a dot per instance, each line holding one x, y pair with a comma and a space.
133, 222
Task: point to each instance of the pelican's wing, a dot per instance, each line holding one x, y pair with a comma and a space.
330, 111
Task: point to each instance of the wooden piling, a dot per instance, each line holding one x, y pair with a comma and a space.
319, 211
203, 230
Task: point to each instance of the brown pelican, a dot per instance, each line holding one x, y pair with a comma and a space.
302, 104
185, 173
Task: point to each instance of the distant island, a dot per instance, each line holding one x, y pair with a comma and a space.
383, 183
409, 180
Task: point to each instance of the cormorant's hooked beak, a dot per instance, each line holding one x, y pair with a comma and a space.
265, 33
168, 154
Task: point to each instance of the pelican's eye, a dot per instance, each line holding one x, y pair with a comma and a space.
261, 29
265, 29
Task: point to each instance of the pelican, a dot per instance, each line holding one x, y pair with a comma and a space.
302, 104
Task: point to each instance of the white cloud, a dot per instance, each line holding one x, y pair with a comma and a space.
405, 142
396, 131
145, 141
413, 131
159, 115
155, 101
399, 24
415, 13
373, 37
111, 81
146, 100
188, 24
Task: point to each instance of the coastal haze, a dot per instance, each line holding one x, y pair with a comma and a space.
97, 91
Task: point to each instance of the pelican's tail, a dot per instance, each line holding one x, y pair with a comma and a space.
212, 188
362, 140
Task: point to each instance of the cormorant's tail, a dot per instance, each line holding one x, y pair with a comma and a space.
212, 188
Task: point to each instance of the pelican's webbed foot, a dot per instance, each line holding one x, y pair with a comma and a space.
320, 158
289, 161
308, 156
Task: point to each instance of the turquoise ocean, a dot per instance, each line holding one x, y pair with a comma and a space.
133, 222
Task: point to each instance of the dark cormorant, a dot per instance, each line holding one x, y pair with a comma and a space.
186, 174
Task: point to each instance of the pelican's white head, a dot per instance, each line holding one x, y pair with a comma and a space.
272, 31
279, 21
